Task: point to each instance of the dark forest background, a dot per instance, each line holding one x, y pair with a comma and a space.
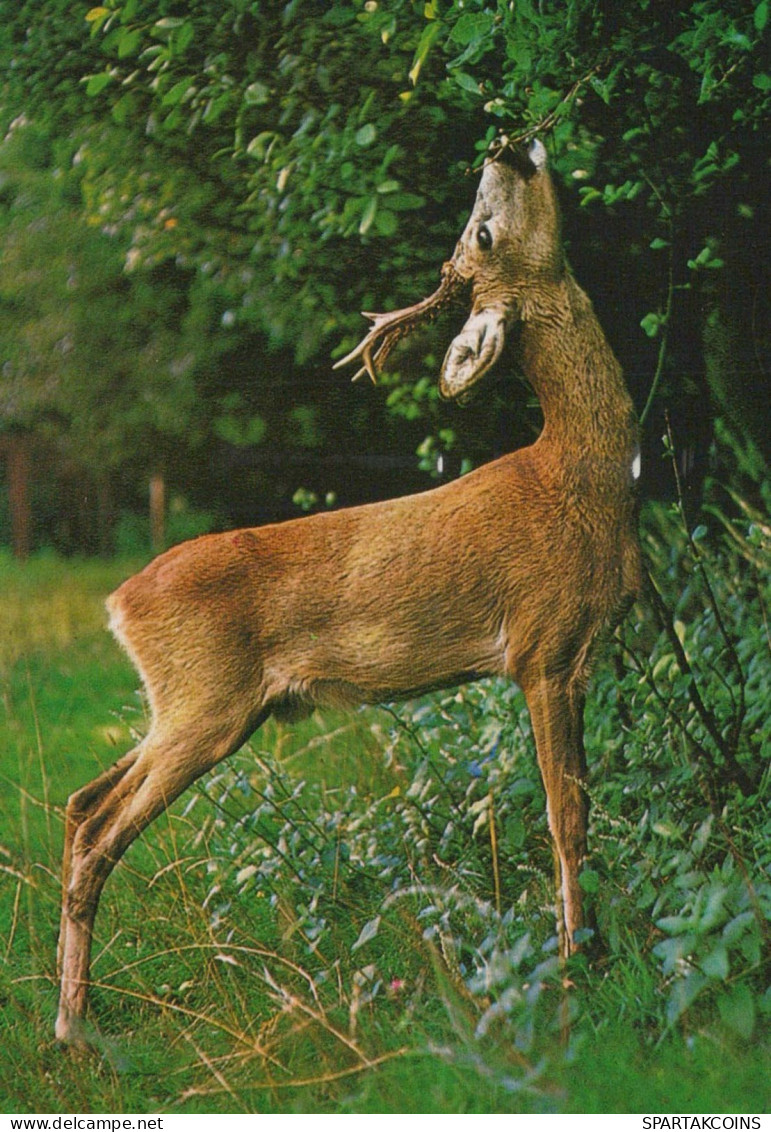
197, 199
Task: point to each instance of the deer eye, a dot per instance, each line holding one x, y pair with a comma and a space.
484, 237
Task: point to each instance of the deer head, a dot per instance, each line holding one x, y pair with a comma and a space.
510, 245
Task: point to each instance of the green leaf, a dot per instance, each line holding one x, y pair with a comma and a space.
96, 83
515, 831
651, 324
304, 499
667, 829
751, 947
256, 94
366, 134
368, 932
129, 42
672, 951
716, 964
761, 16
705, 259
259, 146
735, 928
684, 993
471, 27
386, 222
176, 93
431, 33
240, 431
588, 194
601, 88
124, 109
466, 82
216, 107
368, 215
737, 1009
589, 880
184, 37
740, 40
405, 202
674, 925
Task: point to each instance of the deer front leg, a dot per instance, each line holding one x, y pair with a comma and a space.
556, 710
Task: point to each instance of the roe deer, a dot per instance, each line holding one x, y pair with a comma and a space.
518, 568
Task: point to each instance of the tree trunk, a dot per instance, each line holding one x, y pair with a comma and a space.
20, 507
104, 514
157, 512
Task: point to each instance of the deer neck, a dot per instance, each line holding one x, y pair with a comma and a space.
590, 428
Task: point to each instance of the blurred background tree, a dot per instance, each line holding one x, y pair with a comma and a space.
198, 198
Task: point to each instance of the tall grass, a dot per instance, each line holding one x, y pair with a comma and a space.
355, 914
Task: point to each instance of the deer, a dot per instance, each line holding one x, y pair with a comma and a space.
520, 568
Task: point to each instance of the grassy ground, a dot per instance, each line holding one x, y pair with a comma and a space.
207, 1004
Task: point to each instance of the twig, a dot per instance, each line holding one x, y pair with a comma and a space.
665, 320
726, 747
322, 1079
494, 848
550, 119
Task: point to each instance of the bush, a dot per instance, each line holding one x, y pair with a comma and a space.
437, 868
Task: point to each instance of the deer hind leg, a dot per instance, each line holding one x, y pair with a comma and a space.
556, 710
108, 815
79, 805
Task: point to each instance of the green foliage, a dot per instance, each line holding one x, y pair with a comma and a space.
299, 155
280, 168
132, 532
94, 362
308, 158
695, 851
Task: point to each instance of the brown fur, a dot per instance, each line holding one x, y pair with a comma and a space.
517, 569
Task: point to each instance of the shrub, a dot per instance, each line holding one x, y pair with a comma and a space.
439, 866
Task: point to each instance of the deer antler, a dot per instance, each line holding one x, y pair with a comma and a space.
389, 328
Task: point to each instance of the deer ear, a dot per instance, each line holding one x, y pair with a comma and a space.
472, 353
536, 151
